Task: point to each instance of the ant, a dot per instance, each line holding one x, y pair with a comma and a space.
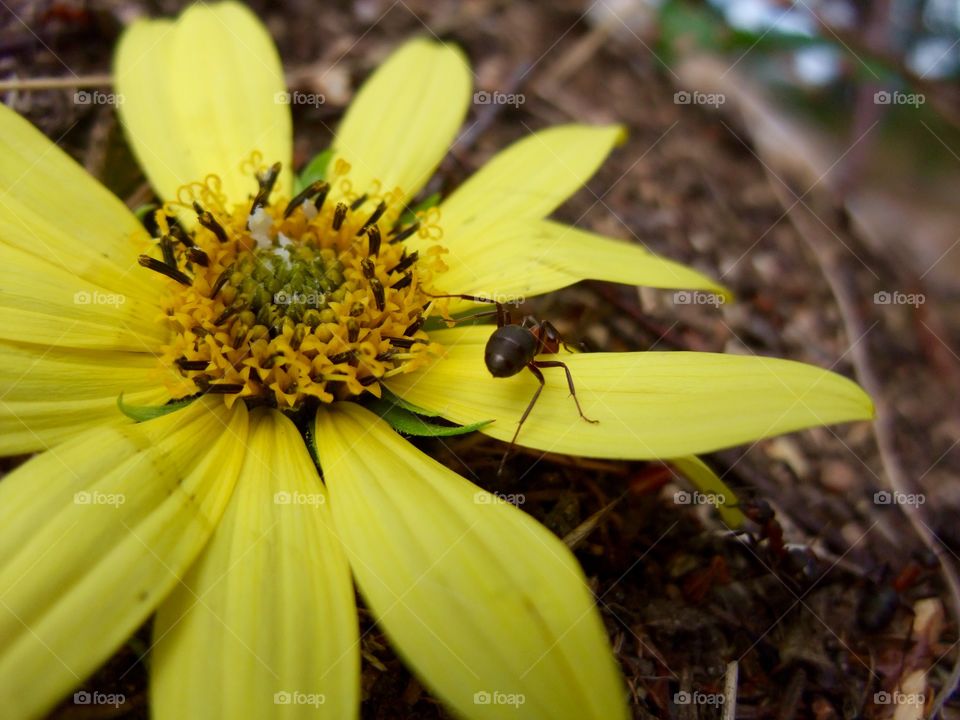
513, 347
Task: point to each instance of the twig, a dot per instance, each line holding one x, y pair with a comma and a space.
884, 426
294, 77
56, 83
576, 536
730, 690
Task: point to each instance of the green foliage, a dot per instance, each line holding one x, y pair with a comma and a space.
140, 413
413, 423
315, 170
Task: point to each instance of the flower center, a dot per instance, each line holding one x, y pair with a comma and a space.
283, 302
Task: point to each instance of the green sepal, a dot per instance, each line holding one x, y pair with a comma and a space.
409, 423
141, 413
314, 170
144, 210
394, 399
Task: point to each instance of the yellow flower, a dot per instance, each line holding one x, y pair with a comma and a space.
215, 516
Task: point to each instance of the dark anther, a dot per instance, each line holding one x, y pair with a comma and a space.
353, 330
356, 310
386, 355
358, 202
271, 361
339, 215
343, 357
164, 269
321, 197
373, 238
266, 181
228, 313
308, 192
415, 325
166, 247
403, 342
378, 294
402, 235
403, 282
224, 388
185, 364
206, 219
177, 232
405, 261
369, 269
377, 214
195, 254
221, 281
368, 380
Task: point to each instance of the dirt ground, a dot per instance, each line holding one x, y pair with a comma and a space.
816, 604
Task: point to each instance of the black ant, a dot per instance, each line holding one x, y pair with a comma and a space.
513, 347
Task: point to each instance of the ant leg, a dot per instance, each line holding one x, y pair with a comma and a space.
573, 392
475, 298
533, 401
474, 316
580, 347
502, 317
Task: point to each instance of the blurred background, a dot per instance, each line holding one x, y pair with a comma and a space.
806, 153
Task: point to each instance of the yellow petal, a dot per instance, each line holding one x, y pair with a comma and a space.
47, 305
264, 624
712, 487
403, 120
483, 602
52, 210
649, 405
529, 179
94, 534
522, 258
200, 94
34, 426
48, 395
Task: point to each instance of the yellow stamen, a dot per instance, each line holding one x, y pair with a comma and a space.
285, 307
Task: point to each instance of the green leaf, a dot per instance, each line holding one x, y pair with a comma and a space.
140, 413
410, 423
315, 170
394, 399
141, 212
